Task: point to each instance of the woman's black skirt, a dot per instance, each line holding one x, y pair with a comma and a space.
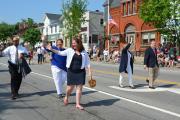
76, 78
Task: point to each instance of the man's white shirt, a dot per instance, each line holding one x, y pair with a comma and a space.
11, 52
105, 52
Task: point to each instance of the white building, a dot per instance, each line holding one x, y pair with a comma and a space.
51, 27
92, 30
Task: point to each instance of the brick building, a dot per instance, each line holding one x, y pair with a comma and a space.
130, 25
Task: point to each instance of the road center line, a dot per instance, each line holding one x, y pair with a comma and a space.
137, 77
118, 97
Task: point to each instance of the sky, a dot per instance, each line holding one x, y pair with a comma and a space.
12, 11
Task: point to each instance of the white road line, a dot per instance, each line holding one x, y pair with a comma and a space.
3, 64
173, 90
143, 89
122, 98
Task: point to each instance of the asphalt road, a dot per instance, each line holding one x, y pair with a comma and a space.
104, 102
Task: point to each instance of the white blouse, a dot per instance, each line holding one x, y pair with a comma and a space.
70, 53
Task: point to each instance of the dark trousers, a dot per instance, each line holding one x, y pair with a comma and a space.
40, 58
16, 79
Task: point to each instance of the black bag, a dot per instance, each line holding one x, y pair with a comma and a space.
25, 69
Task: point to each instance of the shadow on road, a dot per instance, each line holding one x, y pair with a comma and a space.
167, 85
84, 93
107, 102
42, 93
4, 70
4, 85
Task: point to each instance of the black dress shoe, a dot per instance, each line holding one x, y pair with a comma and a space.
61, 96
151, 87
147, 80
13, 97
17, 95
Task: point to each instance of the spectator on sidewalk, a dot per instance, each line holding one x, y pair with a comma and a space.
151, 64
115, 56
44, 54
94, 51
172, 55
106, 55
98, 54
40, 55
126, 65
31, 54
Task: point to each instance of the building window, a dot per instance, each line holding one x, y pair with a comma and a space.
101, 21
114, 40
133, 6
124, 8
128, 8
94, 38
55, 28
51, 29
85, 38
146, 38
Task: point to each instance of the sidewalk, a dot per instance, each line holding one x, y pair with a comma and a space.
177, 68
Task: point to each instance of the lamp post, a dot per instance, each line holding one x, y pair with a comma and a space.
104, 24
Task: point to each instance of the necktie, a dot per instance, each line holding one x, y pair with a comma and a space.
16, 57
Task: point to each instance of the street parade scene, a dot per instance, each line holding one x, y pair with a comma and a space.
90, 60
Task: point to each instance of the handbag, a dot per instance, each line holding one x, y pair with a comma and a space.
92, 82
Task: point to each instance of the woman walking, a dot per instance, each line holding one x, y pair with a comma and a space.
126, 65
77, 61
58, 68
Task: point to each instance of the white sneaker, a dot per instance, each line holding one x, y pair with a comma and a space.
121, 86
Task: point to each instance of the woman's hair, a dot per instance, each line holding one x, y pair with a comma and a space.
59, 40
79, 46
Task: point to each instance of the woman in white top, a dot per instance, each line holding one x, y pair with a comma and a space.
77, 61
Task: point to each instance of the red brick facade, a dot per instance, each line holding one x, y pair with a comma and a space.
130, 26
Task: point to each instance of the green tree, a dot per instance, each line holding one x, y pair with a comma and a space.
73, 16
32, 35
7, 30
164, 15
155, 12
29, 22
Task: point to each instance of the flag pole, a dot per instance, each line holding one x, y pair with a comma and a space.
108, 17
108, 27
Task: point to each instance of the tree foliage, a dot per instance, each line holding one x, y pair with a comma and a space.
73, 16
32, 35
29, 22
156, 11
164, 15
7, 30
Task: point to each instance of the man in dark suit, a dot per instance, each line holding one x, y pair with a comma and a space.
151, 63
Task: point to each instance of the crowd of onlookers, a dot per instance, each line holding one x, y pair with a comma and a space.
104, 55
168, 55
